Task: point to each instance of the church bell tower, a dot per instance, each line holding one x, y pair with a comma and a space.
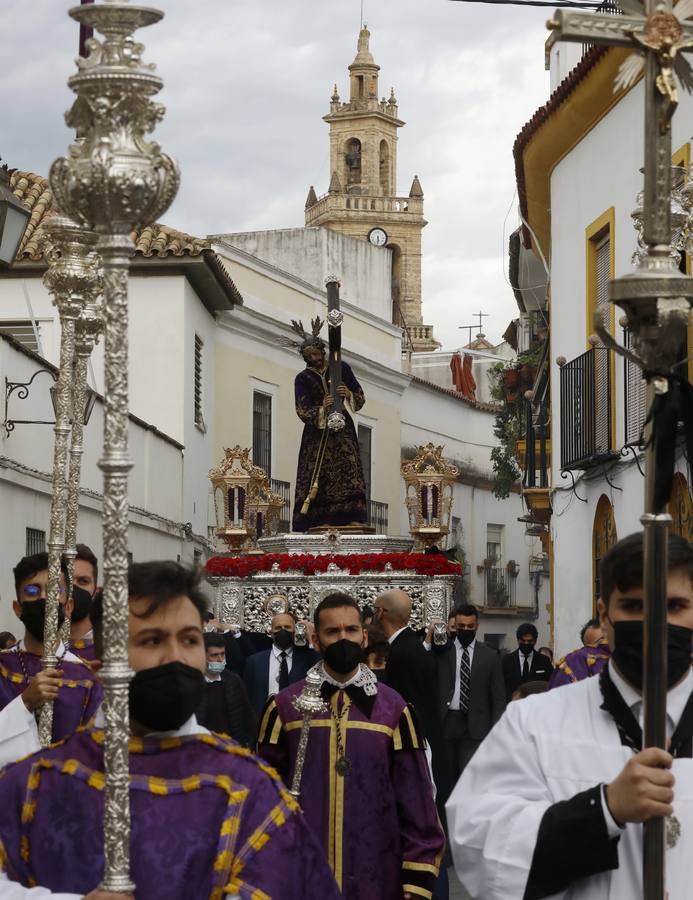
362, 200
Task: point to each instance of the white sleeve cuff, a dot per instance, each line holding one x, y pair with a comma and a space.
612, 827
18, 732
427, 646
10, 890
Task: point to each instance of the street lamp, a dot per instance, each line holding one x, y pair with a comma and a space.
14, 217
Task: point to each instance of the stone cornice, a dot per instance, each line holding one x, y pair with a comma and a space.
261, 267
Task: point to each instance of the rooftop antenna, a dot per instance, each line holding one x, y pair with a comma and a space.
481, 315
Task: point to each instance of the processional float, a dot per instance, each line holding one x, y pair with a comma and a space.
656, 299
113, 181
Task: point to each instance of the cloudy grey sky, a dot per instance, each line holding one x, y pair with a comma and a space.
246, 85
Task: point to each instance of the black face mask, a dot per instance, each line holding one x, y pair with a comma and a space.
343, 656
165, 697
465, 636
526, 648
33, 617
283, 638
82, 604
628, 654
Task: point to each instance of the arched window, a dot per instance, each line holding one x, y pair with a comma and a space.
603, 537
352, 159
681, 508
385, 167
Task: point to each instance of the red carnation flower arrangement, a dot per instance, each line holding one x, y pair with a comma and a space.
313, 564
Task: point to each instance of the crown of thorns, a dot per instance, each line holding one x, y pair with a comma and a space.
307, 340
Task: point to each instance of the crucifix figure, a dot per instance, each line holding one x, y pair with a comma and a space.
656, 298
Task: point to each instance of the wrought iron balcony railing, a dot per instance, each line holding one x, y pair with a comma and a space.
499, 588
378, 516
283, 488
586, 410
537, 448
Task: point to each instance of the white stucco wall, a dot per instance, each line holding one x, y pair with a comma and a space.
601, 171
314, 253
155, 485
467, 436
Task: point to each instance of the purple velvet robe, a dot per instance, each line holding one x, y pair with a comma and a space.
79, 694
378, 824
581, 663
208, 819
84, 648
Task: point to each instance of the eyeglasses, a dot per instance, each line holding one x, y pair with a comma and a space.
32, 591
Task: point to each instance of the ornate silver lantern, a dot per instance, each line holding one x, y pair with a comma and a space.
237, 483
429, 481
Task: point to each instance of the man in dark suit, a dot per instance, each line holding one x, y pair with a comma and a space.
410, 671
270, 671
524, 664
225, 707
470, 685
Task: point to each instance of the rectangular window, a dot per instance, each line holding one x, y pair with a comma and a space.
635, 395
24, 331
197, 558
494, 544
262, 431
199, 418
600, 270
365, 435
130, 559
35, 541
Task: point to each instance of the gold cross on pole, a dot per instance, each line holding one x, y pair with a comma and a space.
656, 298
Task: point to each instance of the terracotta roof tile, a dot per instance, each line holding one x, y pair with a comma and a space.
153, 240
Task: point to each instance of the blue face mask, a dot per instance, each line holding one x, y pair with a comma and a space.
216, 668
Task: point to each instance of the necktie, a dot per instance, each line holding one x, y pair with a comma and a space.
283, 679
525, 669
464, 680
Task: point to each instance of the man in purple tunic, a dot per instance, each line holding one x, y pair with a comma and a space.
366, 788
75, 693
85, 577
209, 820
584, 662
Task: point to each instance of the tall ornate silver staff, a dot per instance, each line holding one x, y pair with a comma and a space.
309, 702
114, 180
70, 254
88, 328
656, 299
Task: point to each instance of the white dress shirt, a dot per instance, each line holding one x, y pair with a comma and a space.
274, 661
396, 634
529, 661
455, 702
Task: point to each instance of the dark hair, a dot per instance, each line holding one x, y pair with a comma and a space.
159, 582
212, 639
526, 628
592, 623
334, 601
29, 566
531, 687
466, 609
6, 636
367, 612
541, 650
622, 566
87, 554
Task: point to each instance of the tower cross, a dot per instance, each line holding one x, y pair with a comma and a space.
656, 299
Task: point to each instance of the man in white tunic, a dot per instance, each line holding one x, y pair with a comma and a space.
552, 803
